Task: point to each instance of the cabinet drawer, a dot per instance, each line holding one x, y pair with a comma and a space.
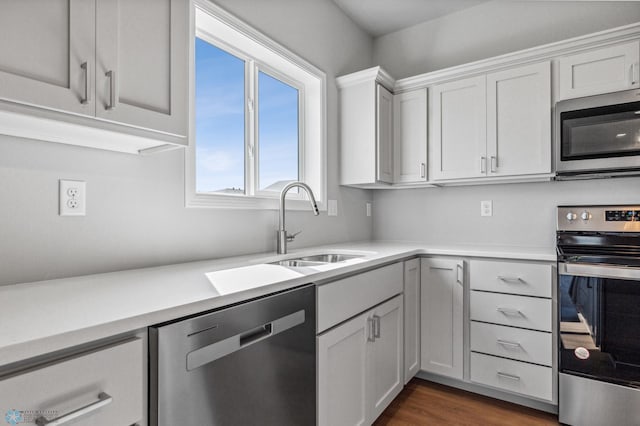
342, 299
529, 279
508, 309
514, 343
513, 376
58, 389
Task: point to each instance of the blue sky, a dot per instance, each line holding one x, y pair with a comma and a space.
220, 123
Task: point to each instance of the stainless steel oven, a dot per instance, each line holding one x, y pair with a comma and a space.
599, 314
598, 135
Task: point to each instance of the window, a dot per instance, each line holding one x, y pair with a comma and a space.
257, 120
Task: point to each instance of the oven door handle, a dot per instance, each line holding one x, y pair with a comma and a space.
599, 271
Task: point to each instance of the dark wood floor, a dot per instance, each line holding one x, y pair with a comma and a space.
426, 403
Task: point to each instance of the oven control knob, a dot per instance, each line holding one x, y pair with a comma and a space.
585, 215
571, 216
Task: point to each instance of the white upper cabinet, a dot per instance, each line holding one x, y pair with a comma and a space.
141, 75
47, 54
457, 113
384, 134
110, 74
366, 128
519, 121
410, 136
603, 70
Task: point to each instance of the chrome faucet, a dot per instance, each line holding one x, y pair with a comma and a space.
282, 235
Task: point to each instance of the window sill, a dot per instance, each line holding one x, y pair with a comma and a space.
246, 203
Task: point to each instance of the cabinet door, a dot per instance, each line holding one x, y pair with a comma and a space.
47, 58
457, 113
386, 356
342, 373
411, 318
441, 298
108, 384
519, 121
384, 135
598, 71
142, 61
410, 136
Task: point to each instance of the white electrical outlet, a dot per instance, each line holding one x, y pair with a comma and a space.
332, 207
368, 209
486, 208
73, 198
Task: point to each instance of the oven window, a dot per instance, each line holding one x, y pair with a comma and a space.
599, 328
612, 131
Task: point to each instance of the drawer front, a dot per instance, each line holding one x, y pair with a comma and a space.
514, 343
515, 311
530, 279
513, 376
87, 381
342, 299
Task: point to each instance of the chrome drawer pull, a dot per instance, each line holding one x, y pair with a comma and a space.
111, 75
511, 279
371, 336
376, 326
509, 344
510, 312
508, 376
87, 91
103, 399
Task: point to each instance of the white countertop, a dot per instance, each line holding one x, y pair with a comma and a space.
45, 316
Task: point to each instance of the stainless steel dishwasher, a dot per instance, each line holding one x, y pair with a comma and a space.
250, 364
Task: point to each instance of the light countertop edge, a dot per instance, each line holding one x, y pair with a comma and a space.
53, 315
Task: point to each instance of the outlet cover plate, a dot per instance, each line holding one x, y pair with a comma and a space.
486, 208
332, 207
72, 198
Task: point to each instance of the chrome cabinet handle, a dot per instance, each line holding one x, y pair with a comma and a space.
633, 73
376, 326
510, 312
371, 336
87, 92
509, 344
103, 399
494, 164
483, 164
423, 170
460, 273
508, 376
112, 89
511, 279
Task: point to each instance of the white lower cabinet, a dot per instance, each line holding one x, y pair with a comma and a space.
441, 299
360, 366
99, 388
512, 327
513, 376
411, 318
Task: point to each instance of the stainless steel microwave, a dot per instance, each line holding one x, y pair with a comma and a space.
598, 136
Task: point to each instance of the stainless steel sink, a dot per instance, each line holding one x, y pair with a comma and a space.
330, 258
316, 260
297, 263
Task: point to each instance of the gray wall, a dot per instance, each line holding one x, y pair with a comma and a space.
135, 210
524, 214
495, 28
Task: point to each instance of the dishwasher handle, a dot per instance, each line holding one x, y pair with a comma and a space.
214, 351
256, 334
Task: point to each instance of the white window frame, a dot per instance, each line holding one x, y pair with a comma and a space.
214, 25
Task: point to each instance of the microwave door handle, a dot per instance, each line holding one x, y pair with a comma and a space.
599, 271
